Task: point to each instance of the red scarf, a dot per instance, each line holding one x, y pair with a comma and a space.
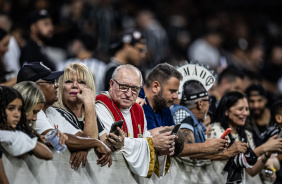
136, 112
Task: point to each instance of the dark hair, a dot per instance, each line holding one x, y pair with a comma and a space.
162, 73
3, 33
230, 73
276, 109
7, 95
88, 41
226, 102
258, 88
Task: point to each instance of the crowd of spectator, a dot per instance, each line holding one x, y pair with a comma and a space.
79, 66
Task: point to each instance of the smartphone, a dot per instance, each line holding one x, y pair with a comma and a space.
175, 129
227, 131
115, 125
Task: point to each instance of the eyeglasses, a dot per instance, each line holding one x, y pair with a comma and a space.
125, 88
52, 82
206, 100
141, 50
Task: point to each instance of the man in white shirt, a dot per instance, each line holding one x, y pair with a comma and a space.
119, 104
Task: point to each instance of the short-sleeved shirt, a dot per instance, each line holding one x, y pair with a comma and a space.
78, 123
53, 119
188, 121
158, 118
16, 142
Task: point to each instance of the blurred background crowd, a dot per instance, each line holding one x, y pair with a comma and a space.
244, 34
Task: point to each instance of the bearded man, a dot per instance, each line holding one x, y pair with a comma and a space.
260, 115
41, 31
160, 91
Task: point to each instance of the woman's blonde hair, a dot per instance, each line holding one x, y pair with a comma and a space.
82, 72
31, 94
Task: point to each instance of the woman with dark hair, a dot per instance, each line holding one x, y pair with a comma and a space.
13, 122
232, 112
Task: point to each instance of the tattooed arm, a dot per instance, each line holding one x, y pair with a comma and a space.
192, 149
188, 136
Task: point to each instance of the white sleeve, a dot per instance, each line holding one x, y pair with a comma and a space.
137, 154
56, 119
42, 123
17, 143
11, 59
136, 150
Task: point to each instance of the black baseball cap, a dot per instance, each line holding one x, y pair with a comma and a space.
198, 91
37, 15
35, 71
131, 37
255, 90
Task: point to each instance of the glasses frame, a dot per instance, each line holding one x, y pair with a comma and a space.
52, 82
206, 100
127, 86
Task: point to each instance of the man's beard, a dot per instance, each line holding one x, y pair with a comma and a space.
257, 115
159, 101
43, 38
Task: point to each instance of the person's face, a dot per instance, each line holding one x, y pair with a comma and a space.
237, 114
44, 28
237, 85
49, 89
207, 123
71, 87
167, 95
13, 112
136, 53
257, 105
169, 91
205, 103
32, 116
124, 78
4, 43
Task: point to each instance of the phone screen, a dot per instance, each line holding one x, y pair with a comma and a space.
115, 125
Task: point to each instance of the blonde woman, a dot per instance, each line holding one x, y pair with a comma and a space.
33, 103
76, 96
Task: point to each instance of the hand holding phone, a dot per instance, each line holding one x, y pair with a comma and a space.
175, 129
227, 131
114, 127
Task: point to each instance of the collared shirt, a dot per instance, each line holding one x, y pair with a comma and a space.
158, 118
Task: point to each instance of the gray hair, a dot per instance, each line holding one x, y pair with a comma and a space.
190, 103
130, 68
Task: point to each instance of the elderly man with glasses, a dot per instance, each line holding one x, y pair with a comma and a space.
119, 104
130, 49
